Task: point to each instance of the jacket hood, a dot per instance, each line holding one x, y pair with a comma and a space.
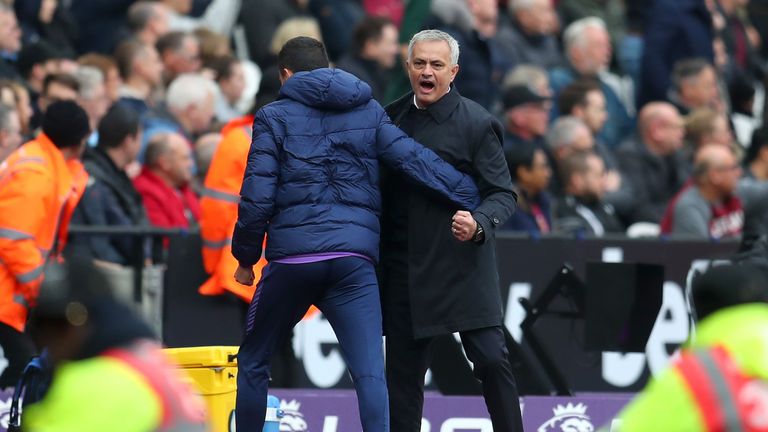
327, 88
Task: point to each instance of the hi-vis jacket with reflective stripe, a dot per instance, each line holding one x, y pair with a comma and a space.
218, 210
718, 384
39, 190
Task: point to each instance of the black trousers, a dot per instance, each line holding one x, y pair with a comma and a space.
16, 350
408, 359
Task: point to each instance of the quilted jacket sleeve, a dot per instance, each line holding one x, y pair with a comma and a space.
257, 195
401, 153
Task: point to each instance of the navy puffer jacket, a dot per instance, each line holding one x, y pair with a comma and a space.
312, 180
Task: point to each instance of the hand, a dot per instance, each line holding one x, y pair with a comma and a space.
463, 226
244, 275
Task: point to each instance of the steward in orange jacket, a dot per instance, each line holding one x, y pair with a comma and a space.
218, 210
40, 185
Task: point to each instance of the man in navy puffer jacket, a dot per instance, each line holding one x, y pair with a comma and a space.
312, 182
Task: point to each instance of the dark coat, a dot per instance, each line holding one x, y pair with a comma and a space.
368, 71
109, 199
577, 217
524, 219
479, 78
451, 286
312, 178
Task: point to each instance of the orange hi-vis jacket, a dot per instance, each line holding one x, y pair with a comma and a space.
218, 210
39, 190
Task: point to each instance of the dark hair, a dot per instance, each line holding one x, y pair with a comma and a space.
759, 140
727, 285
575, 163
520, 155
222, 66
575, 95
126, 54
302, 54
139, 15
172, 41
369, 29
687, 68
158, 145
64, 79
119, 122
66, 124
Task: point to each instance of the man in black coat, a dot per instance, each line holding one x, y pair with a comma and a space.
439, 268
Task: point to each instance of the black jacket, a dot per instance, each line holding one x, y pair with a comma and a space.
574, 216
448, 285
368, 71
109, 199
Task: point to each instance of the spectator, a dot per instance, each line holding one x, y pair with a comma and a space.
526, 116
729, 347
148, 21
694, 85
527, 35
705, 126
41, 184
10, 131
588, 49
531, 173
756, 158
10, 42
337, 20
18, 97
108, 68
677, 29
109, 371
230, 77
531, 75
374, 53
261, 21
205, 147
220, 16
742, 94
582, 209
50, 21
164, 182
110, 198
56, 87
36, 61
142, 75
652, 163
212, 46
180, 53
567, 135
716, 204
92, 95
189, 109
479, 61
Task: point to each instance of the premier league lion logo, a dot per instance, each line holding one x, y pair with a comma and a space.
568, 418
293, 419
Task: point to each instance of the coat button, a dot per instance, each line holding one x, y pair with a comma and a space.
496, 221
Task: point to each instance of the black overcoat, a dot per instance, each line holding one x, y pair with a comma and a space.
452, 286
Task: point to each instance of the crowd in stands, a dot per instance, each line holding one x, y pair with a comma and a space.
620, 116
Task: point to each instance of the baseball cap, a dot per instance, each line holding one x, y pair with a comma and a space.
521, 94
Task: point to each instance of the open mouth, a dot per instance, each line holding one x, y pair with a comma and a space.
426, 86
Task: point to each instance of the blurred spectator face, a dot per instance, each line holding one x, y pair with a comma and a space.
721, 132
47, 9
593, 55
592, 181
112, 83
725, 172
532, 117
232, 87
670, 131
177, 162
149, 67
56, 92
593, 113
23, 107
158, 23
536, 179
96, 104
10, 136
537, 19
431, 71
385, 49
133, 145
10, 33
485, 16
700, 91
201, 115
582, 139
186, 60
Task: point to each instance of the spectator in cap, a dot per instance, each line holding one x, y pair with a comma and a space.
526, 115
729, 347
109, 370
36, 205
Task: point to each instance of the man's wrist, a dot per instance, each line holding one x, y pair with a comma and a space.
479, 234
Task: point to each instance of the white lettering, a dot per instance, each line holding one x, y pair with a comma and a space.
331, 424
310, 336
515, 313
672, 331
425, 425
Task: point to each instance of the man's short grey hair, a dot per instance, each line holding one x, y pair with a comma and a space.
139, 15
562, 132
5, 116
574, 33
435, 35
189, 89
525, 74
89, 78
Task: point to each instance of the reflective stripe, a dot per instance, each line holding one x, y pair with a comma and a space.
29, 159
30, 275
12, 234
248, 130
217, 244
223, 196
18, 298
731, 416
